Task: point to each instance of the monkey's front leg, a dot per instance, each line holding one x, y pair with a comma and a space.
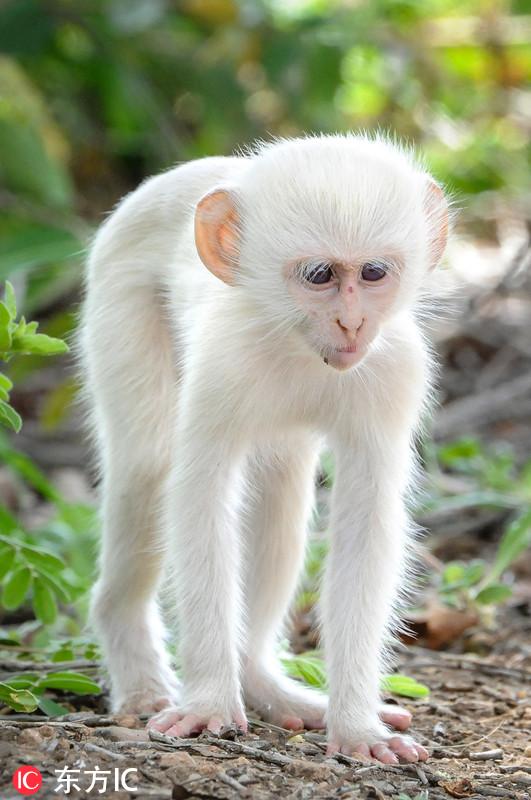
204, 574
364, 573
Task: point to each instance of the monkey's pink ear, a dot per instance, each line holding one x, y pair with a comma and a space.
436, 208
217, 233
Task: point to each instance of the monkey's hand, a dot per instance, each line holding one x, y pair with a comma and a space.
175, 721
374, 742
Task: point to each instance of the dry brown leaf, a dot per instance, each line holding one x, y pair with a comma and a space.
461, 788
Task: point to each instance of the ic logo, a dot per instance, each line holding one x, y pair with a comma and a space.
27, 780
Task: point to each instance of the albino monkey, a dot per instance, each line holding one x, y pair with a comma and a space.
240, 311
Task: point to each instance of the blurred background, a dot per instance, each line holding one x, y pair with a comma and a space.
95, 95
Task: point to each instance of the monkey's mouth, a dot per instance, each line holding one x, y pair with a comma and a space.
351, 348
342, 358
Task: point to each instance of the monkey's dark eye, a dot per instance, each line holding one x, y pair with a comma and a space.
373, 271
318, 274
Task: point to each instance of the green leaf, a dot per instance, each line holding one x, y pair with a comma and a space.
309, 668
69, 682
473, 573
404, 686
463, 450
453, 573
9, 417
7, 558
26, 680
19, 700
44, 603
57, 584
5, 383
16, 588
63, 654
8, 523
10, 300
51, 708
42, 560
5, 328
39, 344
514, 541
494, 594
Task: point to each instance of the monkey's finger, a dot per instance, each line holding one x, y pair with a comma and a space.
191, 723
403, 748
382, 752
215, 725
164, 720
396, 716
332, 748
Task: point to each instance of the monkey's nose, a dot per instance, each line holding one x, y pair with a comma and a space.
349, 329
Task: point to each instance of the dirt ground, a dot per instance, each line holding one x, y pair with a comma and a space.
476, 724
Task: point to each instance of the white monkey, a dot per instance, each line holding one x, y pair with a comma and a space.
238, 312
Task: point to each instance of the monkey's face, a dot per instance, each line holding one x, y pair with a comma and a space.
342, 306
328, 238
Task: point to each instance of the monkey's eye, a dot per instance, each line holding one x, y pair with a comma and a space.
373, 271
319, 274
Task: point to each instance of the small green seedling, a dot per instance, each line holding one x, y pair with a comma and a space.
19, 337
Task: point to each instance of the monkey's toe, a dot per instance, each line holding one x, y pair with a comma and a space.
396, 716
175, 722
392, 750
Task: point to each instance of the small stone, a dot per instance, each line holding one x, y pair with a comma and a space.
527, 751
129, 721
176, 760
309, 770
47, 732
522, 778
30, 737
117, 733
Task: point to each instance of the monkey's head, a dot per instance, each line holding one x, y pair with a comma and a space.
329, 237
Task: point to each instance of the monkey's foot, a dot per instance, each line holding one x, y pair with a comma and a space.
388, 749
144, 693
175, 721
282, 701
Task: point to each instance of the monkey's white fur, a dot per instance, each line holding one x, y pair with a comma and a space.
210, 402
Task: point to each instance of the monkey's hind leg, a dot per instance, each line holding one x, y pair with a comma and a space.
124, 609
130, 373
281, 486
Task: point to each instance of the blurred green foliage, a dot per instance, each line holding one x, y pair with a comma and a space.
95, 94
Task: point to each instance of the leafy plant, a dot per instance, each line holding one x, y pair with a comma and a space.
310, 668
478, 583
19, 337
25, 692
34, 566
488, 479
